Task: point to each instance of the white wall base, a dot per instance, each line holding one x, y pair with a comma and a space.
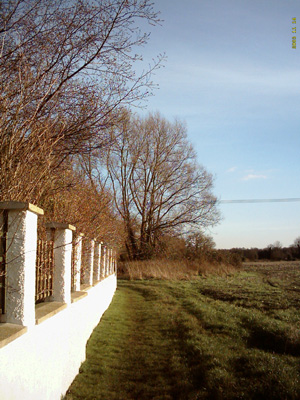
42, 363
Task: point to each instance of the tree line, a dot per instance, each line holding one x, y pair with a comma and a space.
273, 252
69, 140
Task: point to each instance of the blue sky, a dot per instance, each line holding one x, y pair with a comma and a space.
231, 74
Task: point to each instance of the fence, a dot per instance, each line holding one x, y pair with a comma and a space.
62, 264
73, 269
3, 230
44, 270
47, 313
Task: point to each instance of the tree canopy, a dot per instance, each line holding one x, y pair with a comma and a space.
66, 70
66, 67
159, 188
67, 82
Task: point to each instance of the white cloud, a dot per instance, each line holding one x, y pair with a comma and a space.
254, 176
232, 169
234, 76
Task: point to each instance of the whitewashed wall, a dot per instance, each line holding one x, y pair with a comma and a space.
42, 363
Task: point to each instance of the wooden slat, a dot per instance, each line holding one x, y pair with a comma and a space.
3, 232
44, 270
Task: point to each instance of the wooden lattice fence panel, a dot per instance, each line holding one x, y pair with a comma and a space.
3, 233
74, 260
44, 270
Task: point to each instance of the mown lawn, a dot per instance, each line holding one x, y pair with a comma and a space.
234, 337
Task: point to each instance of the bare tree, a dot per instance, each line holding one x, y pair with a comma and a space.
296, 246
65, 69
297, 242
158, 186
198, 245
275, 251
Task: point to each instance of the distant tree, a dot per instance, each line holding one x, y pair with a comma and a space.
275, 245
297, 247
275, 251
158, 186
198, 245
250, 254
170, 247
297, 242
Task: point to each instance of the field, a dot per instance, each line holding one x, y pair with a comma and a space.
214, 337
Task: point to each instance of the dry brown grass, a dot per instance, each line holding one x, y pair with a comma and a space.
171, 269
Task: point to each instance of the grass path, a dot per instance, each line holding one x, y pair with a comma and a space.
127, 357
210, 338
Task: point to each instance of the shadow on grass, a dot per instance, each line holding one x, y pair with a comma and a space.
165, 340
185, 366
274, 341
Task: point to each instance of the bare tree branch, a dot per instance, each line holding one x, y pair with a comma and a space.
157, 182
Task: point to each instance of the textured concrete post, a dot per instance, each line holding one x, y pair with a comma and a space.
110, 261
102, 267
104, 261
21, 245
107, 261
77, 261
115, 262
87, 276
97, 261
62, 238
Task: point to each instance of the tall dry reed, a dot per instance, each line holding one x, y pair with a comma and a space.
170, 269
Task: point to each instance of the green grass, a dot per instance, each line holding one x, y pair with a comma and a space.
235, 337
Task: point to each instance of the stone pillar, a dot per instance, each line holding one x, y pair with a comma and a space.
21, 246
88, 261
110, 261
77, 248
97, 261
104, 261
61, 234
115, 262
102, 267
107, 261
